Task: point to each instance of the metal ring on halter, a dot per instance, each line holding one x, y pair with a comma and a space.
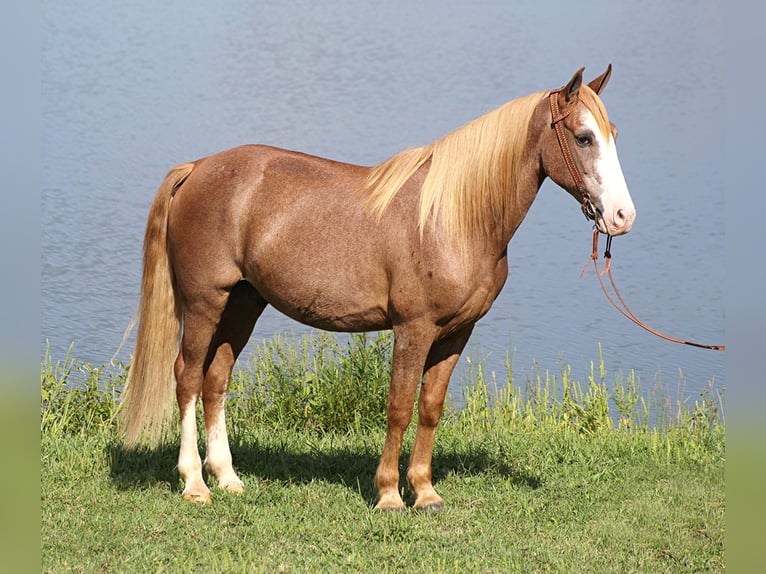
588, 209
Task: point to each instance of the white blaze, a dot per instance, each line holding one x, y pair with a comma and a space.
607, 186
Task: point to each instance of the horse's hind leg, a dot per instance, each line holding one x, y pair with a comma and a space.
242, 310
211, 341
440, 363
198, 331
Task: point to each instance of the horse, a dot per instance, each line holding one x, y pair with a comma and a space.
417, 244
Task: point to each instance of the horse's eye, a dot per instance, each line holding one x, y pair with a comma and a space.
584, 140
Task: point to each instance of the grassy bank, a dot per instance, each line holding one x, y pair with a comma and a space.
557, 475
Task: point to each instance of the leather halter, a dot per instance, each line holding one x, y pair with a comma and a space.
592, 213
588, 209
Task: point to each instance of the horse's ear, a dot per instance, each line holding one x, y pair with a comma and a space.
598, 84
570, 90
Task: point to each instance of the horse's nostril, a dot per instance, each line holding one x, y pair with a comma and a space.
620, 217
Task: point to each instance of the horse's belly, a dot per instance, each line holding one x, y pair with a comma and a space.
336, 318
334, 300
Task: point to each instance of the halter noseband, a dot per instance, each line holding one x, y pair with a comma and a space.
588, 209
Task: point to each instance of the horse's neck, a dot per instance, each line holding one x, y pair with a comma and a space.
527, 186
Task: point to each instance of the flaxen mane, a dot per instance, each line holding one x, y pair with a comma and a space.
472, 177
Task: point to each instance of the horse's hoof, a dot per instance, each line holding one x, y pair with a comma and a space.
198, 497
233, 487
429, 502
390, 501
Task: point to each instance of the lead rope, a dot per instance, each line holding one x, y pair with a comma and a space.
625, 310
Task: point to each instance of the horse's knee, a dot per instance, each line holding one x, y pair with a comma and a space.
430, 412
399, 415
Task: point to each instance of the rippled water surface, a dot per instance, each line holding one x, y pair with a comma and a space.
130, 90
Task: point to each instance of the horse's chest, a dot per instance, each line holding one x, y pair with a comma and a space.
469, 299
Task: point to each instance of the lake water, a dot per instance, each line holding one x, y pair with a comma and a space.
129, 90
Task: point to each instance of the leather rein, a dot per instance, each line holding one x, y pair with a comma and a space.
592, 213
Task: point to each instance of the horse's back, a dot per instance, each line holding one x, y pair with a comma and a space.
251, 191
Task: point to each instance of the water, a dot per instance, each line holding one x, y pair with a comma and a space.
129, 90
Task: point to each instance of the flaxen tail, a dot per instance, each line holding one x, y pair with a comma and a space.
146, 404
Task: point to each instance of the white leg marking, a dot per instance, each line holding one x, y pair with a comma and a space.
218, 460
189, 462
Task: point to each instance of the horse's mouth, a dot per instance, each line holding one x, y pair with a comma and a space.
616, 224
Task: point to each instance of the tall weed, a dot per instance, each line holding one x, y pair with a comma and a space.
318, 383
77, 397
323, 383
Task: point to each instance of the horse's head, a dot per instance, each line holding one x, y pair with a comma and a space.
580, 155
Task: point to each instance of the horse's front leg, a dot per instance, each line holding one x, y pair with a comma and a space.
411, 347
440, 363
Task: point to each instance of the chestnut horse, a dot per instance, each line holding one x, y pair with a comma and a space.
417, 244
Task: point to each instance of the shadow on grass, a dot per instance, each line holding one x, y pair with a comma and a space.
143, 467
352, 467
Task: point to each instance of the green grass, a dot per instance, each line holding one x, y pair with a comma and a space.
557, 476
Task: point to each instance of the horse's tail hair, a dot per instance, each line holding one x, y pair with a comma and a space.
146, 403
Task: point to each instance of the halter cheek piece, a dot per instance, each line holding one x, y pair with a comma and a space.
588, 209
